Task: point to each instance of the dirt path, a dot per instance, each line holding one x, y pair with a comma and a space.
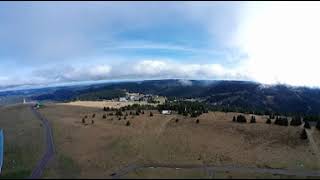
49, 153
211, 169
162, 126
313, 145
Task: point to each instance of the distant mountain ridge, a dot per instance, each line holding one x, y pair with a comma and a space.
225, 94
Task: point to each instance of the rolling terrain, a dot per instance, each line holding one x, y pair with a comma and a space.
232, 95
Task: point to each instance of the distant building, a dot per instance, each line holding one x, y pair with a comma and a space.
166, 112
123, 99
1, 149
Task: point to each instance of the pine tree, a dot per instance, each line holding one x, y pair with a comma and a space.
306, 125
318, 125
268, 121
303, 135
296, 121
234, 119
253, 119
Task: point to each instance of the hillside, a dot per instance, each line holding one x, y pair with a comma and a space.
239, 95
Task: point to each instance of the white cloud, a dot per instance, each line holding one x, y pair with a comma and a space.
172, 69
282, 42
143, 69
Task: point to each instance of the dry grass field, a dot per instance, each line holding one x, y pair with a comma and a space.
99, 149
105, 103
23, 141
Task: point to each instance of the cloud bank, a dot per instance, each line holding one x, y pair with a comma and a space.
144, 69
268, 42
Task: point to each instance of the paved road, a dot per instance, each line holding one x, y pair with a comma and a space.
211, 169
49, 153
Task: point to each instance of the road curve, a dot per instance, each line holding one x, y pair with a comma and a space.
211, 169
49, 153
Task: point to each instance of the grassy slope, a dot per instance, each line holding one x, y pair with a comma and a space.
23, 141
100, 149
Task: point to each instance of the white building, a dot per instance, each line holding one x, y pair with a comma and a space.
123, 99
166, 112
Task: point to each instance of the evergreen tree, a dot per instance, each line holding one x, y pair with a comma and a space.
253, 119
234, 119
268, 121
296, 121
303, 135
241, 119
318, 125
306, 124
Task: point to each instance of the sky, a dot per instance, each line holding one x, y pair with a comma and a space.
45, 43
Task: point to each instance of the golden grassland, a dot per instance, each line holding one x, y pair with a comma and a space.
99, 149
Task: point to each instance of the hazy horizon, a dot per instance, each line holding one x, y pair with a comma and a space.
48, 43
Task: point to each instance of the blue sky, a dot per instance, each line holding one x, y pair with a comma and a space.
59, 42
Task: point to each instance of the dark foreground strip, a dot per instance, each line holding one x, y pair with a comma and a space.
49, 153
211, 169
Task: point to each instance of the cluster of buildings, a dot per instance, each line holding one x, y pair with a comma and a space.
138, 97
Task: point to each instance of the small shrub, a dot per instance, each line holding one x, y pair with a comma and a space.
142, 112
119, 118
104, 109
83, 121
296, 121
281, 121
137, 113
303, 134
318, 125
93, 115
177, 120
128, 123
119, 113
104, 116
253, 119
241, 119
197, 121
268, 121
307, 125
234, 119
92, 121
85, 116
151, 114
